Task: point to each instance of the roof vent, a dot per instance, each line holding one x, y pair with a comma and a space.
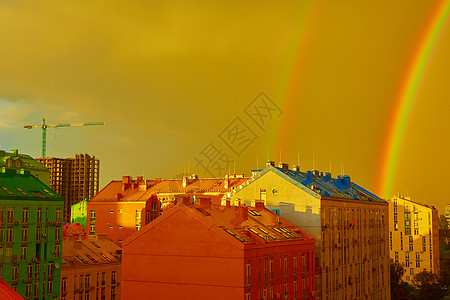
270, 163
283, 166
296, 168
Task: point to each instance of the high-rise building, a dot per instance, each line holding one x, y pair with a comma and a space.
413, 236
75, 178
205, 251
349, 224
91, 266
30, 235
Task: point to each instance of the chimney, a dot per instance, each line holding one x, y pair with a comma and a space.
309, 176
296, 168
327, 175
243, 212
126, 182
14, 152
205, 202
283, 166
140, 179
270, 163
228, 203
259, 204
227, 182
185, 181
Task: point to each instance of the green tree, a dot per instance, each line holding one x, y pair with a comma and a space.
443, 223
399, 288
429, 286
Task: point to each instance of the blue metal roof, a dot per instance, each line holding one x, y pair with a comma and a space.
324, 185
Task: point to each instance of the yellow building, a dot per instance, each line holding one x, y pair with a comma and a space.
349, 223
414, 236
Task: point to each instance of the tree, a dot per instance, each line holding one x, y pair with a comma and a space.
443, 222
399, 288
429, 286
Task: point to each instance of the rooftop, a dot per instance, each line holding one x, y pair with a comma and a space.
247, 225
141, 190
320, 184
24, 161
20, 184
90, 251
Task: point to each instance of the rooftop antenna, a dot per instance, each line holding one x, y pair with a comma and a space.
314, 163
234, 167
298, 159
330, 166
280, 157
341, 168
189, 168
267, 154
257, 162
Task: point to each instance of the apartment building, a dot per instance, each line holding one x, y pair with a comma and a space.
205, 251
30, 235
413, 236
349, 224
18, 161
91, 267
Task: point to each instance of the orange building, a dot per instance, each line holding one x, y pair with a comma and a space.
122, 207
204, 251
91, 268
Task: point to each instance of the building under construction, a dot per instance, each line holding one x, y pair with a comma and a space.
75, 178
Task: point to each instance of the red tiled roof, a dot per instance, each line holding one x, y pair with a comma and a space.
6, 292
75, 230
142, 190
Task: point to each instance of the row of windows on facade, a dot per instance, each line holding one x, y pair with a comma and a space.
345, 255
286, 263
418, 259
411, 242
25, 215
138, 221
268, 292
82, 286
29, 278
346, 216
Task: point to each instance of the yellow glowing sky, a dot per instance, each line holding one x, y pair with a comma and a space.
169, 77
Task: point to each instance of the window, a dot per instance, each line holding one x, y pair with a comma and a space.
424, 244
271, 268
38, 234
401, 241
58, 214
39, 215
87, 283
50, 269
92, 229
49, 287
411, 244
120, 226
25, 216
113, 277
407, 259
24, 234
120, 210
10, 215
417, 260
303, 263
111, 226
81, 281
396, 256
2, 216
23, 256
28, 290
247, 273
57, 234
57, 250
29, 271
36, 271
103, 278
295, 289
390, 239
263, 195
36, 289
64, 285
285, 267
295, 264
9, 235
111, 211
411, 272
15, 273
138, 219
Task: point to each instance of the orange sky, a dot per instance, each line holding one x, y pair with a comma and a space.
170, 78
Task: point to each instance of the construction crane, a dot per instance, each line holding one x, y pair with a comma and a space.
45, 126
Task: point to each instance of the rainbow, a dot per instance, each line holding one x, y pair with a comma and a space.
406, 95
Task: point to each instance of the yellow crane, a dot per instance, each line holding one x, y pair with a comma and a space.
45, 126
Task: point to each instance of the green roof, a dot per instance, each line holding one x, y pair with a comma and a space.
25, 161
20, 184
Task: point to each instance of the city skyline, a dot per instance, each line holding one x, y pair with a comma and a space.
172, 79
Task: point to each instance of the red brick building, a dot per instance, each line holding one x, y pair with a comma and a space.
122, 207
204, 251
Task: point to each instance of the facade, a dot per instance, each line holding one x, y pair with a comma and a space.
75, 178
30, 235
23, 161
123, 207
413, 236
78, 213
349, 224
91, 267
204, 251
